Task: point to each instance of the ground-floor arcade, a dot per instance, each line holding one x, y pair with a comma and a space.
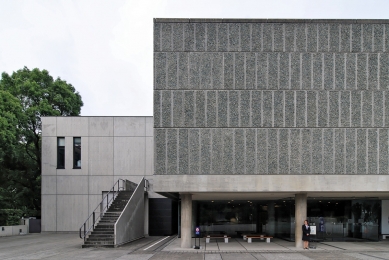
342, 208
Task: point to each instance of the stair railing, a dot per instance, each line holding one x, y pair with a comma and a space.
90, 222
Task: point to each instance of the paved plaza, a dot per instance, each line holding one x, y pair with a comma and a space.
68, 246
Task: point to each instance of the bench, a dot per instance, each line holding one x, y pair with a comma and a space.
244, 235
250, 237
208, 238
384, 236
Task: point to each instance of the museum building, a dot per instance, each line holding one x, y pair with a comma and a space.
258, 125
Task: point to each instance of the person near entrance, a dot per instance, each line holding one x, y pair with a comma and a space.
306, 232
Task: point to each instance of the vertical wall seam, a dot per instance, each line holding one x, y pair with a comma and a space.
261, 100
267, 150
333, 151
300, 158
283, 108
378, 71
272, 37
350, 110
367, 150
339, 101
344, 131
295, 109
290, 71
384, 108
378, 151
206, 37
328, 108
160, 38
228, 38
272, 108
306, 108
194, 37
171, 38
278, 150
317, 109
256, 170
251, 37
245, 70
372, 109
289, 144
311, 149
356, 151
322, 151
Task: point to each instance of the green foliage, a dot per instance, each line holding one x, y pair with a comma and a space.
26, 96
10, 217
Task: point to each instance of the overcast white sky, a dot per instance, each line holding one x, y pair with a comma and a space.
105, 48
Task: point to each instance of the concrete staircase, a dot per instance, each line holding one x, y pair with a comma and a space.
103, 233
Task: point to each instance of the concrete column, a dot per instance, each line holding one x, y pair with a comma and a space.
186, 220
271, 223
300, 215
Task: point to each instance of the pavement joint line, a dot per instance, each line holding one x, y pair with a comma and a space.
333, 246
139, 247
156, 242
165, 244
373, 256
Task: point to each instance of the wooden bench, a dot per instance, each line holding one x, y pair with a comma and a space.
251, 237
244, 235
208, 238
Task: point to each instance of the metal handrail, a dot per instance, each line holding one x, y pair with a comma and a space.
102, 210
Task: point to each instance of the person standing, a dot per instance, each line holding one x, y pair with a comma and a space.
306, 232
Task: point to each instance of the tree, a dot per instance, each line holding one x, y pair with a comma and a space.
26, 96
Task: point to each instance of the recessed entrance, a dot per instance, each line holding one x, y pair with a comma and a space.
336, 219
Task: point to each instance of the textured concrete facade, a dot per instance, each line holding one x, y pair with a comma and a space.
271, 96
111, 148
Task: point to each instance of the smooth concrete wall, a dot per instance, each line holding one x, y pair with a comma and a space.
111, 148
271, 96
13, 230
130, 224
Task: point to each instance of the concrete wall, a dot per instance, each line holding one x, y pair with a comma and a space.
112, 148
271, 96
13, 230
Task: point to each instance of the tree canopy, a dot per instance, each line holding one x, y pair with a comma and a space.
26, 96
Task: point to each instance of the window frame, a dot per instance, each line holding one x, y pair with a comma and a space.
59, 149
74, 153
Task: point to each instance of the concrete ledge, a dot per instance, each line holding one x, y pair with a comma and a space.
271, 183
13, 230
269, 20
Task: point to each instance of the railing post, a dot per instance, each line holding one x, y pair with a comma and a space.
107, 199
84, 230
93, 221
119, 185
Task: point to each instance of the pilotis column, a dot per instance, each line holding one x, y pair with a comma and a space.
300, 215
186, 220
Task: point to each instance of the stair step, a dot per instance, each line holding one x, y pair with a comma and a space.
102, 239
99, 242
99, 246
101, 235
103, 230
